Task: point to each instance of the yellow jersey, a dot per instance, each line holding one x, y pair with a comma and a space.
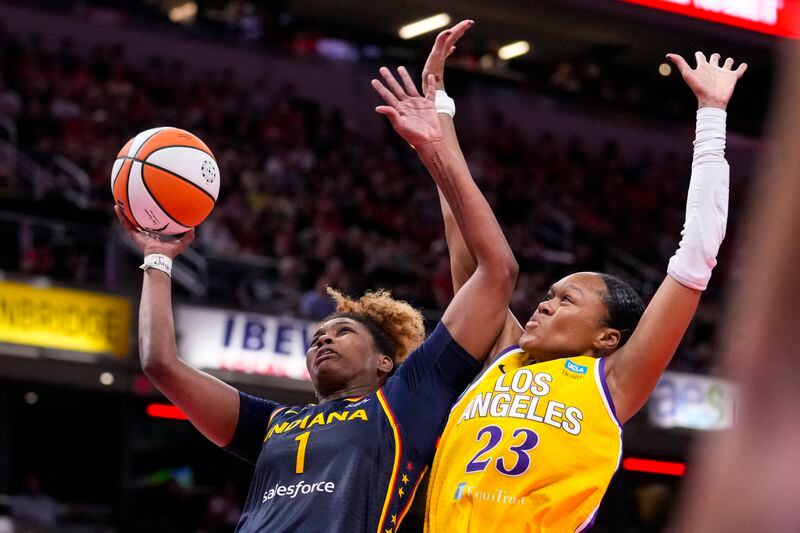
527, 447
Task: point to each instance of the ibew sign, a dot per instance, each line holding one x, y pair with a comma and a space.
243, 342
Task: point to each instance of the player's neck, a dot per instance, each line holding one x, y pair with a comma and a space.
354, 391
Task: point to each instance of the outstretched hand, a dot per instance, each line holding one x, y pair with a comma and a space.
150, 243
712, 84
412, 115
443, 47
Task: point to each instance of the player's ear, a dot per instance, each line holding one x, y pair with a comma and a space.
385, 363
607, 340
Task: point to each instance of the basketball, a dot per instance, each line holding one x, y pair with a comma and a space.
165, 180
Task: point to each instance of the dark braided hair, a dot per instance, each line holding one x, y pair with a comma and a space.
624, 305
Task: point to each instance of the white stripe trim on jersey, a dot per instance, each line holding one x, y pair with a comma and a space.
589, 521
601, 388
509, 351
599, 366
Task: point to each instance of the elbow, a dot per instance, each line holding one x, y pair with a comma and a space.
151, 367
504, 272
508, 265
154, 366
511, 270
511, 273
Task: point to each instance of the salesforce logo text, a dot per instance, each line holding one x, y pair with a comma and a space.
301, 487
579, 369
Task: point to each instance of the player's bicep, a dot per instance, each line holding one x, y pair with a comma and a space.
633, 371
478, 312
425, 386
211, 405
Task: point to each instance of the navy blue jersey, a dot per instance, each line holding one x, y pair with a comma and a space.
353, 464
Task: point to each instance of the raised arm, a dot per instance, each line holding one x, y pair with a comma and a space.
744, 478
211, 405
462, 262
633, 371
477, 313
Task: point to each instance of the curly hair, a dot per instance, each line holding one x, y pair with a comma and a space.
396, 327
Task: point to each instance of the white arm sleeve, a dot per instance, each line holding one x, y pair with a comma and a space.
706, 204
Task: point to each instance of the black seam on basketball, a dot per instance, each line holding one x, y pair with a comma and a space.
190, 182
128, 194
180, 146
159, 130
114, 181
153, 197
128, 185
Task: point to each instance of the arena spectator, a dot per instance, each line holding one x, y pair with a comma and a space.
34, 511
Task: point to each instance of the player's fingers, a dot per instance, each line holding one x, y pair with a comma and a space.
390, 112
188, 238
430, 87
741, 70
391, 82
679, 62
700, 57
119, 215
714, 59
728, 64
450, 52
408, 83
387, 96
126, 224
458, 31
440, 43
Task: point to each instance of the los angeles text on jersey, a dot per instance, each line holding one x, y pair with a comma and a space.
519, 395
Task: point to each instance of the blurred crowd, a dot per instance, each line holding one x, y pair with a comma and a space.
171, 504
588, 79
309, 200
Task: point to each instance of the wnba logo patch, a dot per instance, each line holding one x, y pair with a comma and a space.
459, 491
573, 367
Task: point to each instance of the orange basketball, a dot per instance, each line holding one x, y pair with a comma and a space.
165, 180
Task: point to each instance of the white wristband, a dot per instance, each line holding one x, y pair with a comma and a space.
159, 262
444, 104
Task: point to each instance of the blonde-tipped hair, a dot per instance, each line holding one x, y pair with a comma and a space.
401, 323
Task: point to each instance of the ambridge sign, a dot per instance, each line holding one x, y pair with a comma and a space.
64, 319
775, 17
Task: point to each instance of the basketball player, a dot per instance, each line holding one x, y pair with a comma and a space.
352, 462
534, 441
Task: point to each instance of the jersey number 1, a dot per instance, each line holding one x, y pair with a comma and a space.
529, 441
299, 466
